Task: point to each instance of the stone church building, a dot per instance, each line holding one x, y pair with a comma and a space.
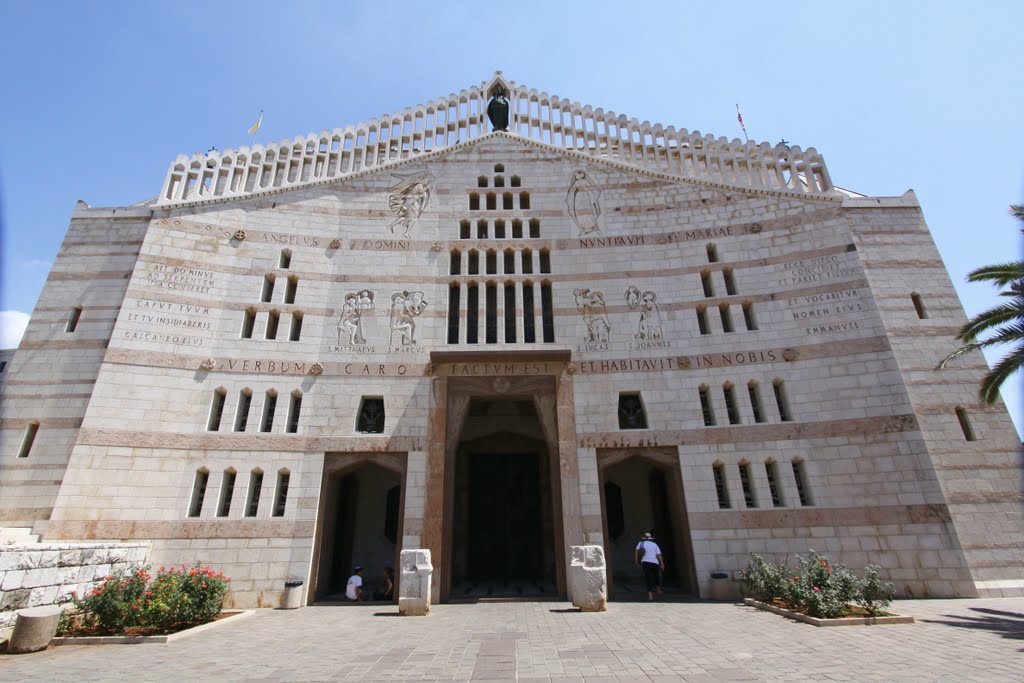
421, 332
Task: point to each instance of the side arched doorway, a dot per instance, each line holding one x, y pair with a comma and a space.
359, 522
641, 491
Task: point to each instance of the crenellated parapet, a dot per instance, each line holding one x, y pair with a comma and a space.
460, 117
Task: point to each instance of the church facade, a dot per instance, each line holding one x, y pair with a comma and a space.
420, 332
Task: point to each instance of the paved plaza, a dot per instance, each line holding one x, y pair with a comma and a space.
954, 640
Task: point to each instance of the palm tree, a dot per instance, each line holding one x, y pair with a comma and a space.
1005, 322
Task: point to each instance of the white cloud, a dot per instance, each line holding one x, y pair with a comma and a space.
12, 326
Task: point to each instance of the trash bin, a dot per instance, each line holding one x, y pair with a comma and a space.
292, 594
721, 586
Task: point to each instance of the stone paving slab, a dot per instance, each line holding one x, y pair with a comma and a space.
954, 640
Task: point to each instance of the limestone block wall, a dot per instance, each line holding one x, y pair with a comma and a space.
39, 574
976, 454
49, 381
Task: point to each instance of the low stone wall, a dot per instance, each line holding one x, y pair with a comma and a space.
37, 574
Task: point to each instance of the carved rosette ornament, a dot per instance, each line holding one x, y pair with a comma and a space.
436, 246
208, 364
570, 368
239, 235
335, 244
790, 355
755, 228
502, 385
683, 362
316, 368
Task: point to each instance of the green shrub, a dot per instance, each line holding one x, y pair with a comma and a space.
874, 595
764, 581
173, 599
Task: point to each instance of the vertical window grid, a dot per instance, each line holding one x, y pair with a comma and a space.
242, 413
705, 406
473, 314
755, 401
453, 313
281, 496
227, 492
729, 394
269, 407
547, 314
529, 329
718, 470
771, 472
510, 313
252, 504
748, 490
195, 508
293, 413
216, 410
799, 477
781, 401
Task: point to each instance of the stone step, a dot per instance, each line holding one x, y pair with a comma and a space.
17, 535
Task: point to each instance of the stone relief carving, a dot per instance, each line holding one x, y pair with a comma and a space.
351, 320
335, 244
592, 309
239, 235
208, 364
790, 355
405, 308
583, 201
649, 324
316, 368
409, 197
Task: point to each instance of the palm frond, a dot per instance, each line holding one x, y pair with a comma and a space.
1000, 274
962, 351
991, 319
997, 376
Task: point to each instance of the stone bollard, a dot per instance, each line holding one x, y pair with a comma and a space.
588, 579
414, 584
34, 629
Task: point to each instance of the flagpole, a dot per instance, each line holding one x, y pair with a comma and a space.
255, 128
739, 117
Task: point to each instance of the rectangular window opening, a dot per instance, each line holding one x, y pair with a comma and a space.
800, 476
198, 493
547, 314
281, 496
729, 394
73, 317
227, 492
771, 472
755, 402
705, 407
781, 402
30, 438
216, 411
252, 506
293, 414
748, 489
269, 406
242, 414
720, 489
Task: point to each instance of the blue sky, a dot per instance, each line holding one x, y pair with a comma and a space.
99, 97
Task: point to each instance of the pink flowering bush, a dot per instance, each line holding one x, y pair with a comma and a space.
816, 587
134, 600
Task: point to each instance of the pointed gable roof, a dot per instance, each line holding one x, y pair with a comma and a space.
461, 117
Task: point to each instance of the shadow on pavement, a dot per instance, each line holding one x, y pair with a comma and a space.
1006, 624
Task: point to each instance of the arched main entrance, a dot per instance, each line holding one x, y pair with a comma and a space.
641, 491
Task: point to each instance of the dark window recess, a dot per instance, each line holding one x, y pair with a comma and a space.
30, 438
755, 401
919, 306
481, 181
474, 201
705, 408
453, 314
705, 283
712, 253
227, 492
73, 317
499, 230
527, 262
720, 489
613, 509
517, 229
492, 201
492, 263
771, 471
726, 316
800, 476
295, 332
289, 290
281, 496
702, 320
748, 317
293, 414
631, 412
255, 488
371, 416
545, 261
269, 406
198, 493
730, 281
216, 410
242, 414
534, 228
524, 200
509, 262
456, 263
473, 314
729, 394
547, 314
516, 181
391, 511
286, 260
499, 181
782, 402
268, 289
510, 313
248, 323
529, 331
506, 201
748, 489
481, 230
965, 424
492, 314
464, 230
273, 320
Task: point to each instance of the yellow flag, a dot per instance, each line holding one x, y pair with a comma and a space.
256, 126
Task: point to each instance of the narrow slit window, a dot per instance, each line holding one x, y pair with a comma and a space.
481, 181
464, 230
371, 415
729, 394
472, 314
293, 413
499, 229
295, 331
273, 321
473, 267
227, 492
269, 407
510, 313
252, 503
702, 320
509, 265
919, 306
965, 424
492, 314
712, 253
492, 262
707, 411
474, 201
248, 323
545, 261
492, 201
281, 495
524, 200
749, 319
242, 413
216, 410
527, 261
73, 317
456, 263
718, 471
771, 473
30, 438
195, 508
499, 181
517, 229
754, 391
529, 330
547, 314
726, 315
800, 478
481, 230
534, 228
730, 281
289, 290
705, 283
631, 412
748, 489
285, 262
506, 201
453, 314
516, 181
268, 289
781, 401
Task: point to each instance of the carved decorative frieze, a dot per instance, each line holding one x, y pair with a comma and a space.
335, 244
316, 368
239, 235
208, 364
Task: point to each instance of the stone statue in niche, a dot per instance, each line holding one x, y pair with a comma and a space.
405, 308
592, 309
649, 324
351, 320
409, 197
497, 110
584, 203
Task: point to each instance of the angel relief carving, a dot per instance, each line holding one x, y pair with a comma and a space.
583, 201
409, 197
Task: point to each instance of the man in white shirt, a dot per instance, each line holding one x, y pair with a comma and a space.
354, 589
648, 558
